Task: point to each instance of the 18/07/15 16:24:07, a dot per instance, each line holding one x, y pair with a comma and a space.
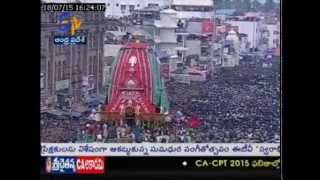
73, 7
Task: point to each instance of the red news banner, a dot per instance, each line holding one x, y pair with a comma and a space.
90, 165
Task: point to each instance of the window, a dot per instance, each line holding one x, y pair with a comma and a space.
90, 65
204, 52
108, 4
131, 8
49, 76
84, 61
178, 8
61, 49
60, 70
91, 40
153, 5
56, 49
123, 8
94, 65
268, 34
138, 5
94, 41
97, 17
56, 71
51, 18
117, 4
43, 63
65, 70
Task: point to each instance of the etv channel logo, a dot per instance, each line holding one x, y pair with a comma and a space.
72, 165
69, 24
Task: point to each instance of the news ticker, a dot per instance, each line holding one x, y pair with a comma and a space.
160, 149
114, 165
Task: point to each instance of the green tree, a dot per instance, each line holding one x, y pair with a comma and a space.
219, 4
237, 4
228, 4
256, 5
269, 5
241, 5
246, 5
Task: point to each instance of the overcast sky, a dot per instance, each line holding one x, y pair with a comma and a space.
262, 1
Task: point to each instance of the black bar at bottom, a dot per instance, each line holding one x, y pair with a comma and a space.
175, 167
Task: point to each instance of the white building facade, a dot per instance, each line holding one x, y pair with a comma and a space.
273, 36
250, 28
120, 8
231, 54
187, 9
165, 35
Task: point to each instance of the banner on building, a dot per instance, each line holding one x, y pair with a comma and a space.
208, 26
88, 82
181, 78
221, 29
63, 84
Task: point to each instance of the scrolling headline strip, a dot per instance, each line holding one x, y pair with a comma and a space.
160, 149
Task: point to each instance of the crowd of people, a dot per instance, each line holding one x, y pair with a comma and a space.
66, 130
55, 130
239, 104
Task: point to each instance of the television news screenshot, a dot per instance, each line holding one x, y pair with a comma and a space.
160, 87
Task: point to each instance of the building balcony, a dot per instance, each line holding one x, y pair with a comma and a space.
205, 44
158, 40
181, 48
181, 31
159, 24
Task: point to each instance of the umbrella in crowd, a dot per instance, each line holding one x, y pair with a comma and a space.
194, 122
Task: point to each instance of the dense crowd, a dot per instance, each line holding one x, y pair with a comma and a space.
239, 104
85, 130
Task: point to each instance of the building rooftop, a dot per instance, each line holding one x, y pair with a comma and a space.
149, 8
160, 24
168, 11
225, 11
192, 2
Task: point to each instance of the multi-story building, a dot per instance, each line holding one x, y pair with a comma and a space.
231, 54
165, 36
273, 36
249, 27
71, 69
187, 9
121, 8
